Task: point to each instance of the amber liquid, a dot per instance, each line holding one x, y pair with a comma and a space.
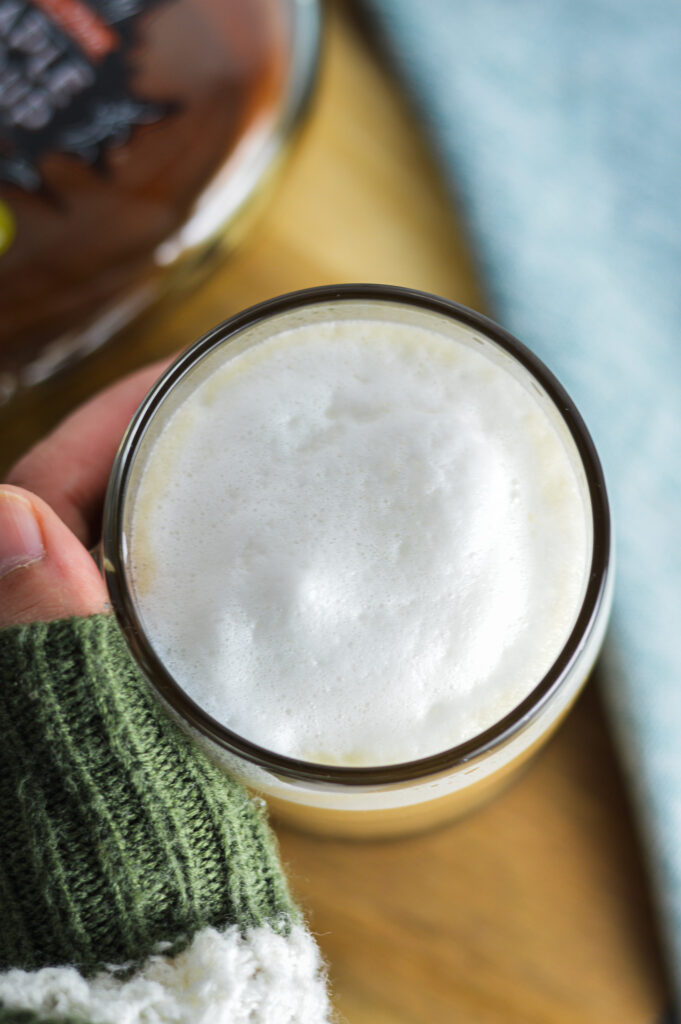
393, 822
410, 818
220, 65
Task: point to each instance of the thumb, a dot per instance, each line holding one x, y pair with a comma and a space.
45, 572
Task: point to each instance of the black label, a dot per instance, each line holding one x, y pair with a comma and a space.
65, 70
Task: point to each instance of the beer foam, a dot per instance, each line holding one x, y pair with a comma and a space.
360, 542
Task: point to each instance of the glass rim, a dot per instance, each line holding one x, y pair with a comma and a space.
160, 679
282, 125
307, 24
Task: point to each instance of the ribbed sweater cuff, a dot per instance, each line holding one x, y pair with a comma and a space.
121, 843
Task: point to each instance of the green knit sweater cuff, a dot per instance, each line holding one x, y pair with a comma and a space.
119, 837
31, 1017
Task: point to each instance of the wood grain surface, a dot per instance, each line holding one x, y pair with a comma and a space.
536, 908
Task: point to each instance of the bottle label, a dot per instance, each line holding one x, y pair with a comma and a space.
65, 82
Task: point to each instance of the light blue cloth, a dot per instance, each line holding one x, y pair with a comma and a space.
559, 126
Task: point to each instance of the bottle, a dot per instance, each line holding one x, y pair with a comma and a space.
132, 132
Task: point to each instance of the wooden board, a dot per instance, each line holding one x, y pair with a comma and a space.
534, 909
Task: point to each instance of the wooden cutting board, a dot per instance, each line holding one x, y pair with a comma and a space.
536, 908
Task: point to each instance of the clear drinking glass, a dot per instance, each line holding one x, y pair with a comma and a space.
390, 799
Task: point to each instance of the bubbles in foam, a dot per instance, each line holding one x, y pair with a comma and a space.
359, 542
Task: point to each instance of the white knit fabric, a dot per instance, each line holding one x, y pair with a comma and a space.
221, 978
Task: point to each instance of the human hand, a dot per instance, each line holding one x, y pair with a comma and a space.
120, 839
50, 509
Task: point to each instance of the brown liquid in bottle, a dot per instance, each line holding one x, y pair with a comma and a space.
200, 73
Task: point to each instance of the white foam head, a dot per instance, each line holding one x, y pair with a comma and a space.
359, 541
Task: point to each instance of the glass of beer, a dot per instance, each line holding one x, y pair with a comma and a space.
358, 540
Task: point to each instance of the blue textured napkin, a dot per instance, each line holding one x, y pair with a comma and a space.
559, 127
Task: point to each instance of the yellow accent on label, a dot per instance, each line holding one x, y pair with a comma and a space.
7, 227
